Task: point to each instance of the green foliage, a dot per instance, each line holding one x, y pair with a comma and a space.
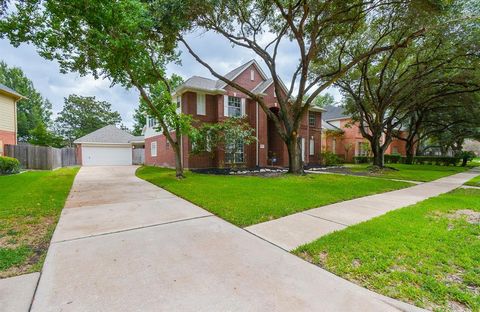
362, 159
230, 134
393, 159
426, 254
330, 159
9, 165
32, 111
259, 199
436, 160
324, 100
140, 118
40, 135
81, 115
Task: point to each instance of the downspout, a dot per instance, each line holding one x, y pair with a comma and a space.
256, 131
16, 123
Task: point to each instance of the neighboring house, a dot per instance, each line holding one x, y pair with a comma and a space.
109, 146
342, 136
8, 116
212, 101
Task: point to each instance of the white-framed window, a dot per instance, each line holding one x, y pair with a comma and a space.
362, 149
153, 149
201, 104
179, 104
234, 153
234, 106
152, 122
311, 120
394, 150
312, 147
334, 146
252, 75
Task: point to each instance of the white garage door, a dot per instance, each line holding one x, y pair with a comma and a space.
106, 155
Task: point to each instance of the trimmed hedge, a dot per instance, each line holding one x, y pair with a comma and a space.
9, 165
329, 159
420, 160
362, 159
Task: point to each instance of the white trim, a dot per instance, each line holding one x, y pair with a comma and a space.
247, 65
243, 107
102, 143
256, 132
252, 75
225, 105
152, 154
201, 104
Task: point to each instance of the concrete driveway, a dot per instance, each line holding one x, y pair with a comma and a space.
123, 244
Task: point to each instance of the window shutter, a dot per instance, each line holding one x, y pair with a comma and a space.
242, 107
225, 105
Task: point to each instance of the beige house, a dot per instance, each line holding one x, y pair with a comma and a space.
8, 116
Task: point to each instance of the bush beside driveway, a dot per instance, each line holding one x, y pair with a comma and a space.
31, 204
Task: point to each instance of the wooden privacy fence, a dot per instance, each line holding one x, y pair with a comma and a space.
42, 157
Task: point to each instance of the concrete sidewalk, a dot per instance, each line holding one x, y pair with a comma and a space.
297, 229
126, 245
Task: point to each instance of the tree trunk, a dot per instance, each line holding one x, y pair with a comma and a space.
295, 163
178, 161
378, 153
410, 152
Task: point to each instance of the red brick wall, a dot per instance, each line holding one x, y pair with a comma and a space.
7, 137
165, 155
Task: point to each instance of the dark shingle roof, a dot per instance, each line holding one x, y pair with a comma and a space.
334, 112
198, 82
328, 126
107, 134
10, 90
262, 86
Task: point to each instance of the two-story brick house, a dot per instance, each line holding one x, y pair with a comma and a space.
212, 101
343, 136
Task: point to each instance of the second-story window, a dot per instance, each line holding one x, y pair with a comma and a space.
234, 106
311, 120
152, 122
201, 104
252, 75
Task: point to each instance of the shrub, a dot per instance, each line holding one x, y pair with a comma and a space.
393, 159
329, 159
9, 165
362, 159
436, 160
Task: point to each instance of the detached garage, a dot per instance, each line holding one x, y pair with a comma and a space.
108, 146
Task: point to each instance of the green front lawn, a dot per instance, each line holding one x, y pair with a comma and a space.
249, 200
31, 204
474, 182
422, 173
427, 254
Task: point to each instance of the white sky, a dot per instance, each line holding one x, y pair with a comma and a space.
55, 86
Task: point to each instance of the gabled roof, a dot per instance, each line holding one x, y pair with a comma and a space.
10, 91
328, 126
108, 134
334, 113
262, 86
237, 71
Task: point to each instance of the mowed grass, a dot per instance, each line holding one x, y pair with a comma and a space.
249, 200
31, 203
427, 254
421, 173
474, 182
